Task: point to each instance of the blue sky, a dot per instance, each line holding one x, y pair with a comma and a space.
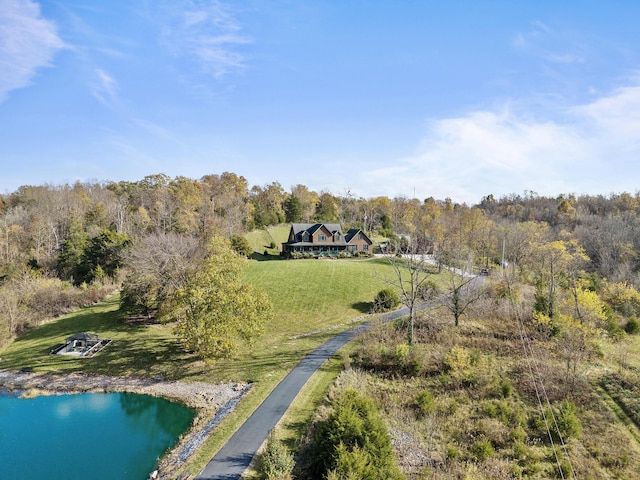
456, 99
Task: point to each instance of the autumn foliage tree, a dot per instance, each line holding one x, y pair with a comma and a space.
216, 311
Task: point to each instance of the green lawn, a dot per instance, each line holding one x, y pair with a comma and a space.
142, 350
313, 299
260, 240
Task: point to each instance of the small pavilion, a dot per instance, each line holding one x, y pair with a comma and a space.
82, 344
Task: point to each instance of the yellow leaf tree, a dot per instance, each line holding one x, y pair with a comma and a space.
216, 311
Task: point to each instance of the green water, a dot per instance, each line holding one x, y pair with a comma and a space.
97, 436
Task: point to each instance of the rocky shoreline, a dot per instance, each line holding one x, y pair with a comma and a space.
212, 402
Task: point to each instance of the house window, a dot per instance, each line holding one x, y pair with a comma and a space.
337, 236
366, 247
322, 237
360, 236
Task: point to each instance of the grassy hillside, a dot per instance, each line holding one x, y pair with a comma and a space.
260, 240
312, 299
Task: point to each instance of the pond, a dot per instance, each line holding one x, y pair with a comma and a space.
101, 436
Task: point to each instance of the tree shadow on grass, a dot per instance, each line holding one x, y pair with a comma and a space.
362, 307
261, 257
133, 350
142, 357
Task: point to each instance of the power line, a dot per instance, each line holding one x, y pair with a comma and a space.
541, 393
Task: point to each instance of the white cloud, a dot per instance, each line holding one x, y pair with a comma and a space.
207, 33
616, 116
27, 42
594, 149
104, 87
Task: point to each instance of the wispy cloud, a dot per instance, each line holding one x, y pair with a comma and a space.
104, 87
564, 58
559, 47
28, 42
206, 32
593, 149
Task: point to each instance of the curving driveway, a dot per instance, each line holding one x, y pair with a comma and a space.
236, 455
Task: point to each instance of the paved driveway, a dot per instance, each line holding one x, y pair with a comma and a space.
234, 458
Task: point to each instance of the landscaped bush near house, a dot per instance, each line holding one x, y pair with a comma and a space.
241, 245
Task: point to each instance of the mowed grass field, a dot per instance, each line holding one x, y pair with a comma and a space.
312, 299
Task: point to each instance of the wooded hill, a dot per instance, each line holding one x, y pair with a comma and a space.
92, 235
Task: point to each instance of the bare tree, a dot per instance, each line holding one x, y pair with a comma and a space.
412, 273
159, 265
464, 291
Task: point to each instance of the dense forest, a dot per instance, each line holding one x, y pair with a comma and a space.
67, 245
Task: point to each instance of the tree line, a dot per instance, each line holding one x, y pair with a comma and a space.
151, 235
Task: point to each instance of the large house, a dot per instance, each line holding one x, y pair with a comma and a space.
319, 239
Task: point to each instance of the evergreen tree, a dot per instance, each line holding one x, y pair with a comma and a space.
71, 260
104, 253
354, 440
293, 209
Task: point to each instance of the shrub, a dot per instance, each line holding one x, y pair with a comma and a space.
425, 402
623, 298
482, 450
352, 464
464, 367
507, 412
241, 245
613, 328
632, 327
354, 435
565, 470
428, 290
402, 354
385, 300
452, 452
277, 461
567, 419
506, 388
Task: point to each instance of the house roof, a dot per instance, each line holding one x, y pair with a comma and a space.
83, 336
311, 228
298, 229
